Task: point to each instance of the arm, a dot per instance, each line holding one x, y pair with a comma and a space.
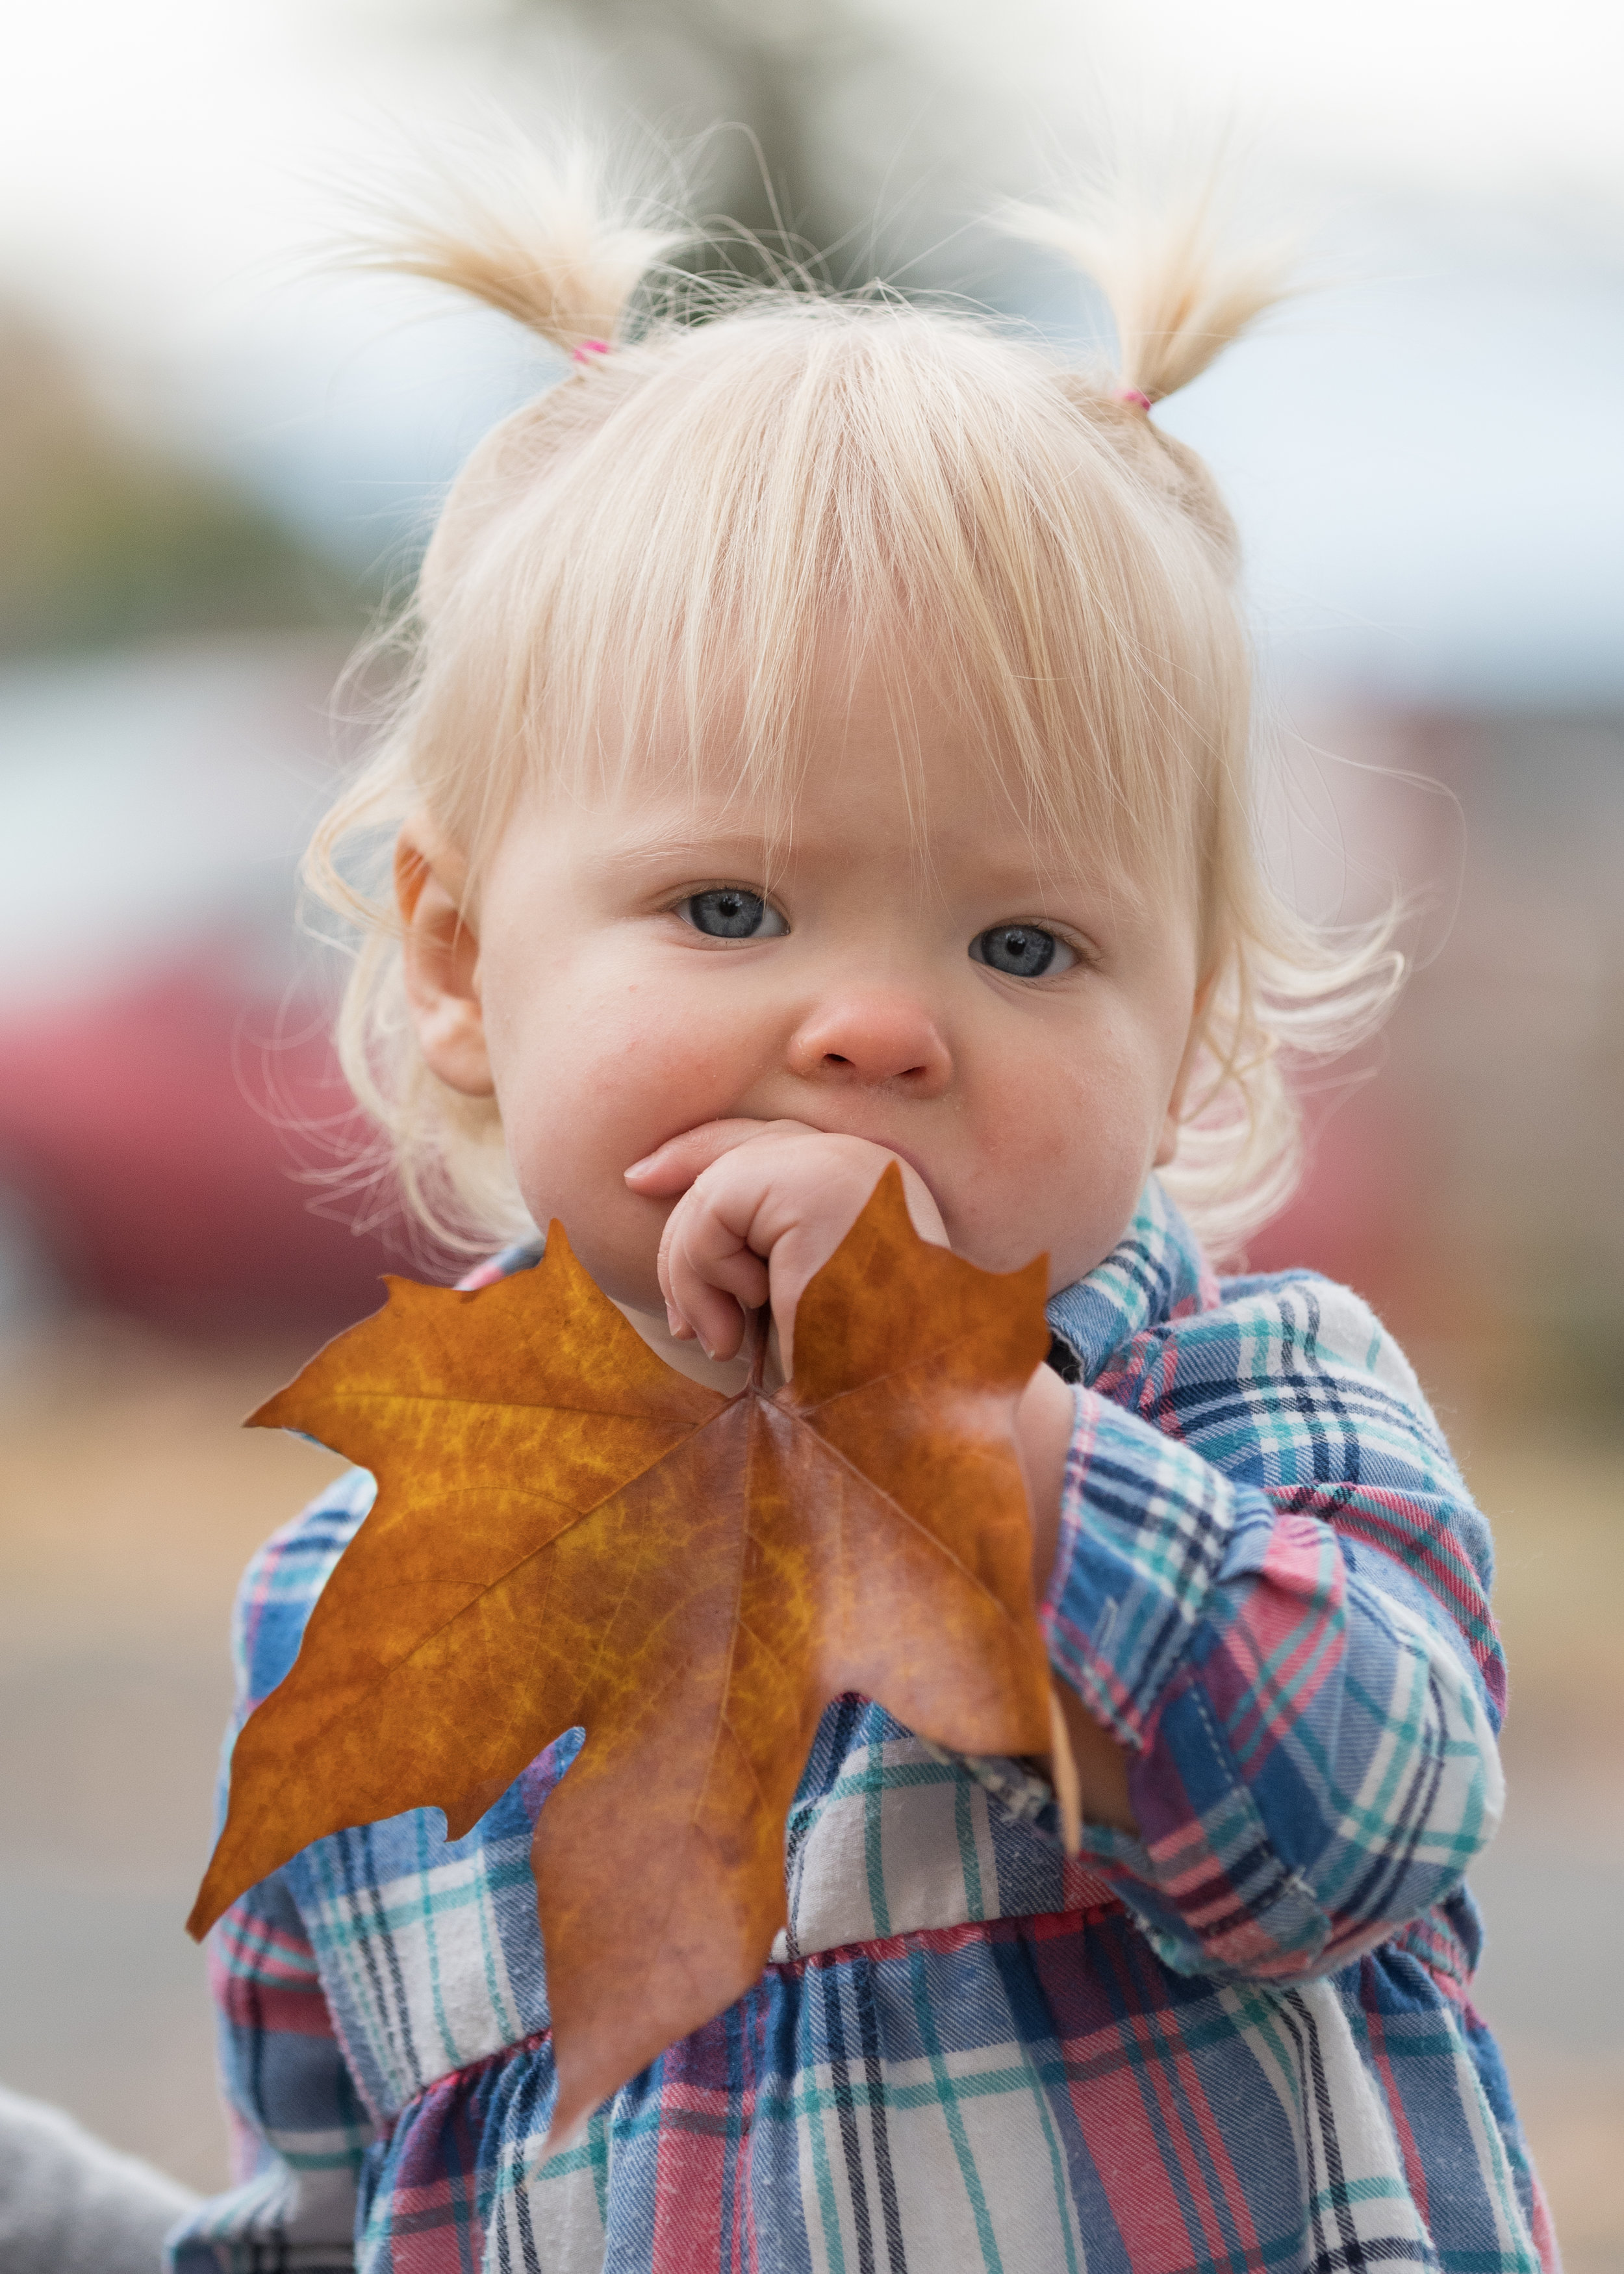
299, 2130
1044, 1425
1295, 1645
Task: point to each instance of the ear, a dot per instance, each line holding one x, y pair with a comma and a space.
442, 957
1167, 1144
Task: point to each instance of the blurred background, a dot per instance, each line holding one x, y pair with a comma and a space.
216, 463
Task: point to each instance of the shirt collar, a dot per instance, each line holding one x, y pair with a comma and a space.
1155, 1272
519, 1257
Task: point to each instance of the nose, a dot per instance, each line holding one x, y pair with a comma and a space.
870, 1036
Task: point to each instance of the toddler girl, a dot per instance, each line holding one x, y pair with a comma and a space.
827, 747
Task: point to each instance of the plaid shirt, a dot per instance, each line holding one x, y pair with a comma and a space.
1240, 2040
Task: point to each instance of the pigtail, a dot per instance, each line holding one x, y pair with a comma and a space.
1179, 290
546, 236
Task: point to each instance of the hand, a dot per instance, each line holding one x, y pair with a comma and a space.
764, 1206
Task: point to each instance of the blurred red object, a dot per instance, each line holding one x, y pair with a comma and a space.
1360, 1213
152, 1135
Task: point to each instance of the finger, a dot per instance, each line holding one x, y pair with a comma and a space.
705, 1287
671, 1167
713, 1319
707, 1276
697, 1313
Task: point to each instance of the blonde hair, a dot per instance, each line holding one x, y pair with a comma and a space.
686, 521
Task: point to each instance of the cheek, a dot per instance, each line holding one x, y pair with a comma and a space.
1069, 1127
1082, 1096
594, 1068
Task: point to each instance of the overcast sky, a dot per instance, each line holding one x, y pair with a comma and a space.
1429, 463
156, 150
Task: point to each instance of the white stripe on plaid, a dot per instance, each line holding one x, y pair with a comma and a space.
306, 2214
415, 1963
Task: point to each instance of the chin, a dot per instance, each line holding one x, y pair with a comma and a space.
628, 1276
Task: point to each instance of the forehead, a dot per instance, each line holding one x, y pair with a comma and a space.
892, 787
867, 718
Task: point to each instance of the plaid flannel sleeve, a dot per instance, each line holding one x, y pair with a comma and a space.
299, 2131
1273, 1587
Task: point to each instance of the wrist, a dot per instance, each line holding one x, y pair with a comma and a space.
1044, 1421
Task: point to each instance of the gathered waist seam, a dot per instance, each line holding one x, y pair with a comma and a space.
1040, 1925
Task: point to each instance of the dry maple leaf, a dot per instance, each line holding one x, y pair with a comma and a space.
569, 1533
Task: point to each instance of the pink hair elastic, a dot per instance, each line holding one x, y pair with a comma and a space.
1123, 395
592, 348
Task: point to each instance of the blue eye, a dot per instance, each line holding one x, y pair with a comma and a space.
728, 912
1023, 951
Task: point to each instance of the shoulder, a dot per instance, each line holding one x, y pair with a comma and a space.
1309, 1320
1286, 1378
278, 1590
1270, 1323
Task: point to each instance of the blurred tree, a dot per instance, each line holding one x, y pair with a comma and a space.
104, 539
820, 92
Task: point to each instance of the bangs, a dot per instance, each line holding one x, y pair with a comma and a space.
826, 484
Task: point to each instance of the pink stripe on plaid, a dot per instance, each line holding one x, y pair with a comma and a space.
1292, 1620
1388, 1520
1415, 2171
1156, 2031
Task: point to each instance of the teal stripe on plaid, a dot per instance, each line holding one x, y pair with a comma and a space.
948, 2097
874, 1838
970, 1863
828, 2203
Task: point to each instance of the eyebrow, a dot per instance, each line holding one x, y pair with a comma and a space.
645, 849
652, 848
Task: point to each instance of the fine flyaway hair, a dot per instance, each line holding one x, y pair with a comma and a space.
692, 513
540, 234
